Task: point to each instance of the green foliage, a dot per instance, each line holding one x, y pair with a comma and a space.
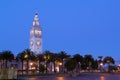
30, 55
71, 64
40, 57
42, 68
78, 57
7, 56
112, 68
108, 60
88, 61
95, 64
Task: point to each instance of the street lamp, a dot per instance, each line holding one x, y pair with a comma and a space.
26, 57
60, 64
101, 65
46, 57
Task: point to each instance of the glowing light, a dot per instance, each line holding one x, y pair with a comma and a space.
60, 78
38, 43
33, 68
60, 63
37, 23
57, 69
33, 23
119, 65
101, 64
31, 43
45, 57
31, 63
37, 32
26, 56
102, 78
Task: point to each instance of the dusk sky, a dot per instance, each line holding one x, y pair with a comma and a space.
73, 26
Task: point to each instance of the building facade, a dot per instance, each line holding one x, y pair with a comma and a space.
36, 36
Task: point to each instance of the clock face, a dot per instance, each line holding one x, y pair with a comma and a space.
38, 43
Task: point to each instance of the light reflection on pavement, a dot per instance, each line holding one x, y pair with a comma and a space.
80, 77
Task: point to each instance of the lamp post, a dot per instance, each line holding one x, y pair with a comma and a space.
46, 57
26, 57
101, 66
60, 64
79, 66
108, 61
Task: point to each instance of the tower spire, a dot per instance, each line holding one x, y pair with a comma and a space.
36, 20
36, 36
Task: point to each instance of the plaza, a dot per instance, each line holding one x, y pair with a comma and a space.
82, 76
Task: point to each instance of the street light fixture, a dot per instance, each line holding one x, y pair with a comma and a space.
26, 57
46, 57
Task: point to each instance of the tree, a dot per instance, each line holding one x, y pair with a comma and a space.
26, 55
29, 55
42, 68
47, 58
7, 56
40, 58
70, 64
95, 64
87, 61
108, 60
63, 55
79, 60
54, 58
20, 56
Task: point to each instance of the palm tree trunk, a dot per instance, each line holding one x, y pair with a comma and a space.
27, 67
46, 66
5, 63
108, 67
39, 66
62, 66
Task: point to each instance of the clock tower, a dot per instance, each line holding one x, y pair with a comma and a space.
36, 36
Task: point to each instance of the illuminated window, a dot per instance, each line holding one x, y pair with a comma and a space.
31, 43
37, 23
37, 32
33, 23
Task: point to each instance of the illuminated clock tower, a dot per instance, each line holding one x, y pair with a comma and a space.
36, 36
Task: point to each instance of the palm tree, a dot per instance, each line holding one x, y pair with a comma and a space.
63, 55
71, 64
26, 55
29, 55
7, 56
79, 60
108, 60
47, 56
20, 57
40, 58
88, 61
54, 58
100, 62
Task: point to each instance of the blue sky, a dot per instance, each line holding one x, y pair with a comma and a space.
74, 26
